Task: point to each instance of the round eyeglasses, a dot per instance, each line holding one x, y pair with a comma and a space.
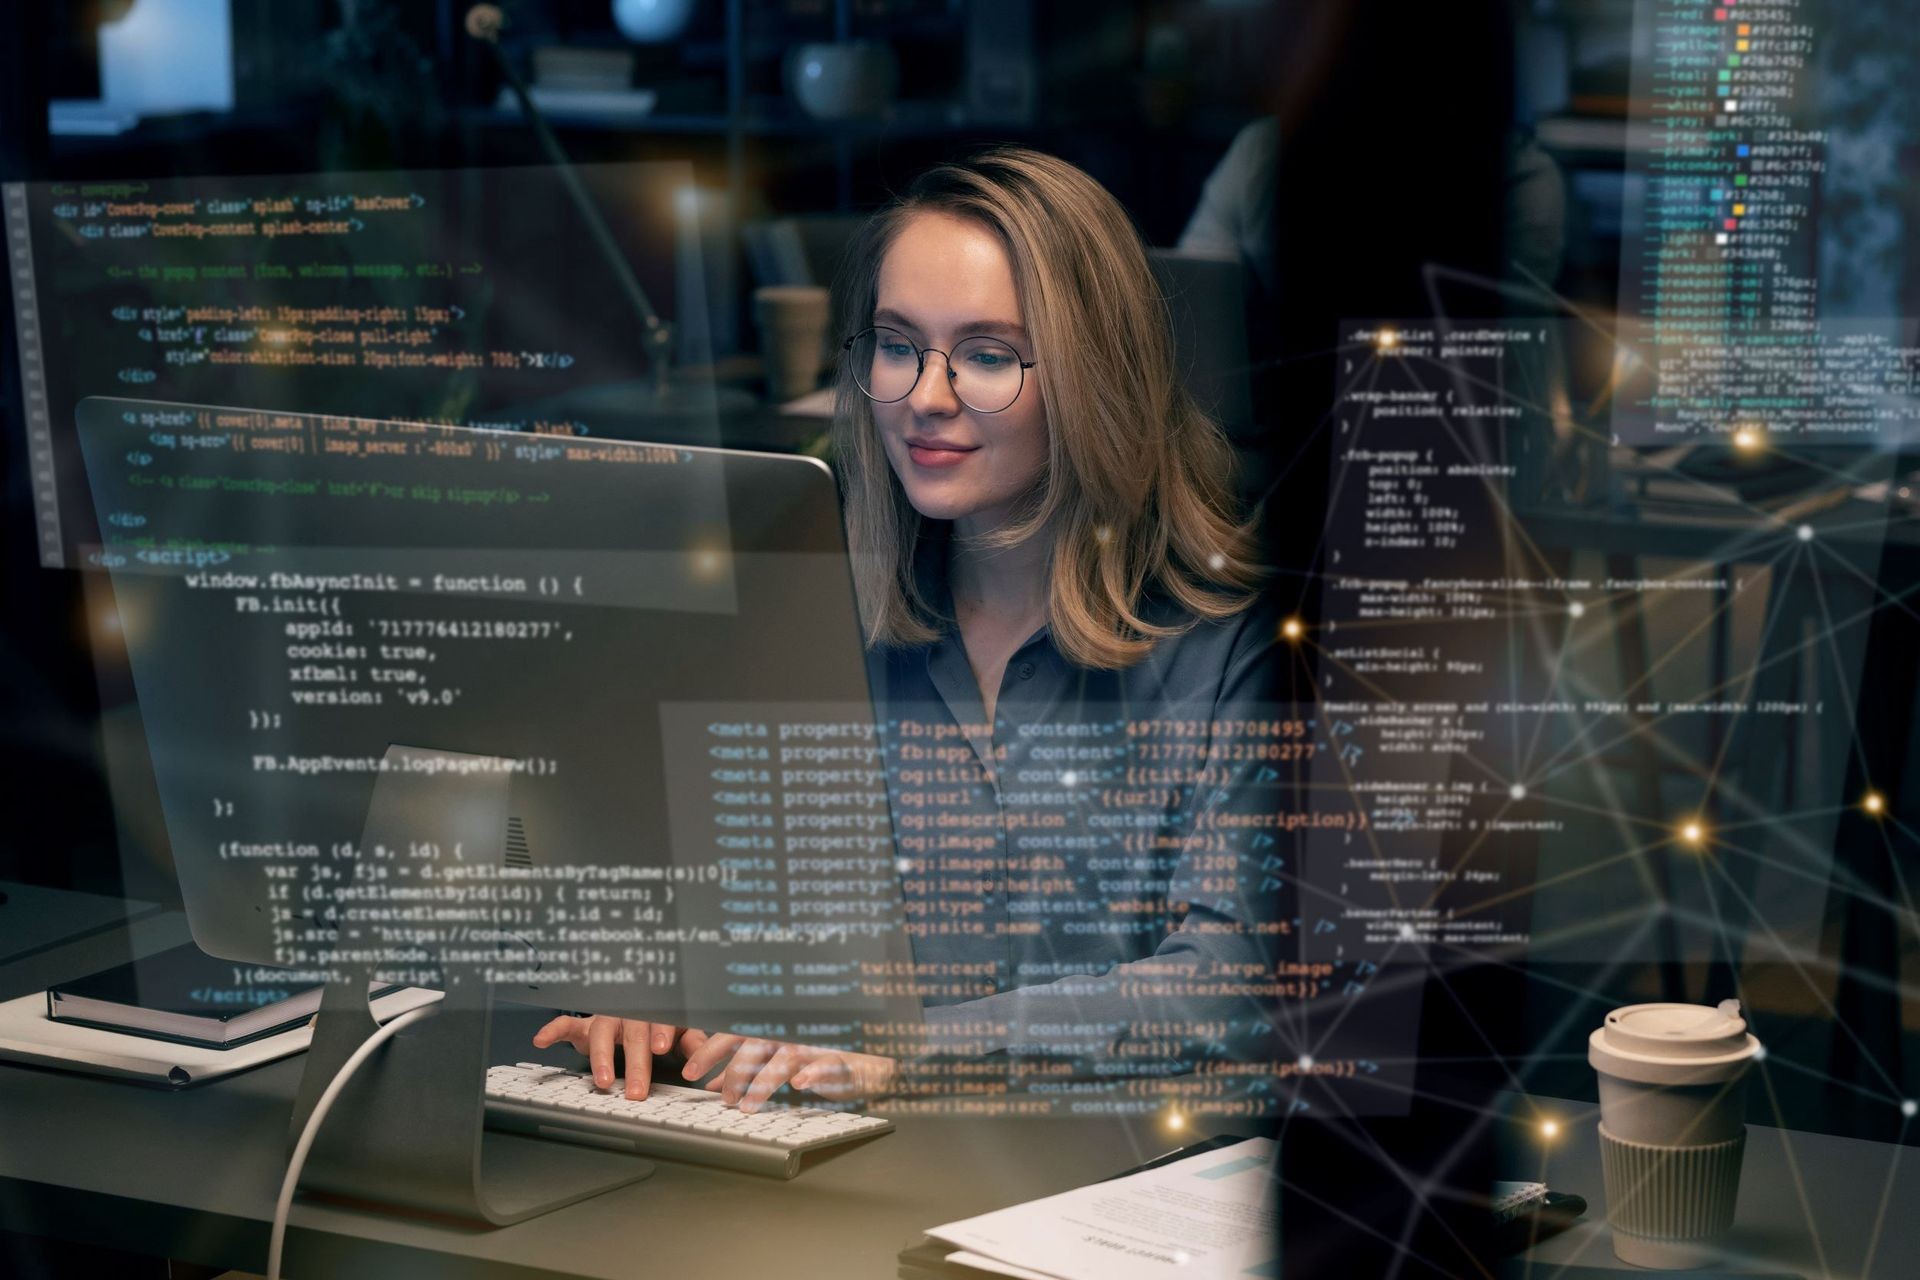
986, 374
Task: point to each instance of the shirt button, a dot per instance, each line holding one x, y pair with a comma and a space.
1026, 670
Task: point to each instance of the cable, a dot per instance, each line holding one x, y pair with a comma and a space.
285, 1204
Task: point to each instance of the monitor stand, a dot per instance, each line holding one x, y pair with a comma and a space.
409, 1128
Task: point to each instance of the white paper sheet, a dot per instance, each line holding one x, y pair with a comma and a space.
981, 1262
1214, 1215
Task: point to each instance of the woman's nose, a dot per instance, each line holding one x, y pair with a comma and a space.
934, 394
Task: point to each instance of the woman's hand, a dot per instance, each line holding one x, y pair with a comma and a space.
756, 1068
596, 1037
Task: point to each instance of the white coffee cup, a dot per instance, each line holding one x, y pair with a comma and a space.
1672, 1128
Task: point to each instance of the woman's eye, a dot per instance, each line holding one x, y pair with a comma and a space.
896, 350
989, 359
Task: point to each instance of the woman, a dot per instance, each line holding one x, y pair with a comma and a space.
1048, 571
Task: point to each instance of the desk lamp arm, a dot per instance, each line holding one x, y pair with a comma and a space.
484, 24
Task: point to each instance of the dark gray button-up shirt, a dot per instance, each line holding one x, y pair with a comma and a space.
1099, 873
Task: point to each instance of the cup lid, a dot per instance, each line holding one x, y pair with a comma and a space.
1673, 1043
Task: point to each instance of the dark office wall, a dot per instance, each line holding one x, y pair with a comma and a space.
60, 829
1394, 132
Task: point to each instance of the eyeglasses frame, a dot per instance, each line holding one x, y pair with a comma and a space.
920, 370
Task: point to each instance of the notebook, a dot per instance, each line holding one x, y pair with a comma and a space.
183, 994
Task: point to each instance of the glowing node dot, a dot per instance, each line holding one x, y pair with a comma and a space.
1874, 803
903, 865
1518, 791
1305, 1063
1388, 339
1747, 440
1069, 779
1804, 533
1909, 1107
1760, 1053
1576, 610
1175, 1120
1549, 1128
1216, 562
1693, 833
1905, 492
1103, 534
1293, 628
1406, 933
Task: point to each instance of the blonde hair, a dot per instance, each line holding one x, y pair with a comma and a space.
1135, 495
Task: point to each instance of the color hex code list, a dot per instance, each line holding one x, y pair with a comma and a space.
1723, 325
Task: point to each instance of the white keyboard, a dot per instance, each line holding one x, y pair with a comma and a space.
673, 1121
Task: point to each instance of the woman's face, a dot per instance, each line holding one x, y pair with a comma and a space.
945, 279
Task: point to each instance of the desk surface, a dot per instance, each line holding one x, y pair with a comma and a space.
193, 1174
1809, 1205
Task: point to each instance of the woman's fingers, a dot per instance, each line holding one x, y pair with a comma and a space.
638, 1039
597, 1037
827, 1075
840, 1076
745, 1065
754, 1069
602, 1034
565, 1027
711, 1053
777, 1071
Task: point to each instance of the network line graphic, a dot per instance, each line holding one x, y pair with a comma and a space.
1597, 731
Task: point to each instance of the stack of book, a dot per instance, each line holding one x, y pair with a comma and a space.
187, 997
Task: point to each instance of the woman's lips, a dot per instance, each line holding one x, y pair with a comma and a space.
937, 453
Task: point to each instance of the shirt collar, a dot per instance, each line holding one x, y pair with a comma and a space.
930, 551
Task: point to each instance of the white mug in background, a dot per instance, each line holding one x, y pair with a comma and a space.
793, 335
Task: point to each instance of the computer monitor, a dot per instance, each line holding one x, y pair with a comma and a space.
654, 648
